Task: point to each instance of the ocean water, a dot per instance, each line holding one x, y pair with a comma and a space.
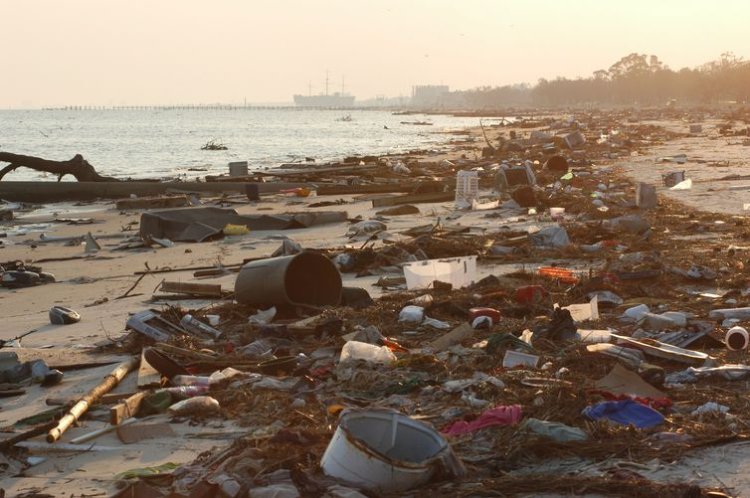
156, 143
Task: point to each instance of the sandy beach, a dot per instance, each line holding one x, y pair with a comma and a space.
96, 285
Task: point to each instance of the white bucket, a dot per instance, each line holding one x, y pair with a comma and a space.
238, 168
459, 272
382, 450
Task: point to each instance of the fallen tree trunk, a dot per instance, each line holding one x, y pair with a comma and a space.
78, 167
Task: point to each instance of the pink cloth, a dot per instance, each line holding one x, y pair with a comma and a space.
500, 415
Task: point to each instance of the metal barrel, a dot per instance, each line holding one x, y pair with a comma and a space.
304, 278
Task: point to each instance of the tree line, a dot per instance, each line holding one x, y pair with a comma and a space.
636, 79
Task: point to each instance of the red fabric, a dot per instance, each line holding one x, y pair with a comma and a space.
500, 415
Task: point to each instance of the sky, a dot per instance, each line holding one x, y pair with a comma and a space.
163, 52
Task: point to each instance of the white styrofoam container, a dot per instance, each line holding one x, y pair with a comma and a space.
458, 272
382, 450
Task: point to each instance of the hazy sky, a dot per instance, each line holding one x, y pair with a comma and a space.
105, 52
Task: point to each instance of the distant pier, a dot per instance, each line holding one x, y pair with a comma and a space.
213, 107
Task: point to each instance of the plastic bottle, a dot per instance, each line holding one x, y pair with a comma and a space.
192, 324
185, 391
354, 350
191, 380
198, 404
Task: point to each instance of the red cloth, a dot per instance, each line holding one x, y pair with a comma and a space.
500, 415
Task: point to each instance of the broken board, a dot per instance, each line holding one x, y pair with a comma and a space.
148, 376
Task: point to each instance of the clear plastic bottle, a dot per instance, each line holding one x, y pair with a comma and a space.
192, 324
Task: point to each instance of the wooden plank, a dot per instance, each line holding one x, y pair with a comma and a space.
126, 409
414, 199
377, 188
148, 376
153, 202
196, 289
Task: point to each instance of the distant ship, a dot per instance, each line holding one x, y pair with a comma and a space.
336, 99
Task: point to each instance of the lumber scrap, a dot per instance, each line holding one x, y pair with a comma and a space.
148, 376
127, 409
153, 202
195, 289
414, 199
375, 188
109, 382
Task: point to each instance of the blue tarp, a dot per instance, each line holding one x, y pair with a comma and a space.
625, 412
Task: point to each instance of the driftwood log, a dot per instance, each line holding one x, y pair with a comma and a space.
78, 167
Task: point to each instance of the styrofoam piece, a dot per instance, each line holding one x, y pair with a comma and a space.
382, 451
355, 350
585, 311
594, 335
458, 272
484, 206
683, 185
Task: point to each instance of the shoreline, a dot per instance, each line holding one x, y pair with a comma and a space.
109, 273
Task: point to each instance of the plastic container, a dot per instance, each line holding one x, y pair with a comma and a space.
459, 272
737, 339
467, 188
492, 313
238, 168
382, 451
355, 350
304, 278
513, 359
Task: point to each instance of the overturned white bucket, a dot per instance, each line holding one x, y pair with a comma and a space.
383, 450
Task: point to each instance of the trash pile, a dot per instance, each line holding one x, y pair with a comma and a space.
608, 331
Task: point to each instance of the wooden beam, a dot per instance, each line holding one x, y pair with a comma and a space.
148, 376
127, 409
196, 289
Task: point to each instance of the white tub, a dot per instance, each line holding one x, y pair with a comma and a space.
382, 450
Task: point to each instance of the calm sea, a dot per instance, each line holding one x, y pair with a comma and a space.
167, 143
